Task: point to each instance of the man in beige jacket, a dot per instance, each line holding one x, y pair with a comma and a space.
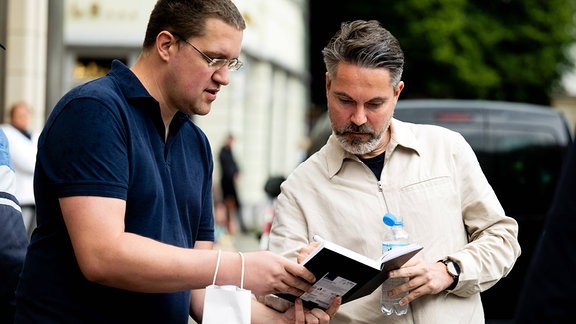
374, 164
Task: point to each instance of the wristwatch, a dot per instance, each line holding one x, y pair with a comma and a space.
453, 270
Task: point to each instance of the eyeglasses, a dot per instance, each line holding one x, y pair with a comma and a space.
232, 64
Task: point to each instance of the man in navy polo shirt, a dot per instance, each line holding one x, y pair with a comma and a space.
123, 187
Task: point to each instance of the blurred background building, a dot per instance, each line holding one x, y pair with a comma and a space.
55, 45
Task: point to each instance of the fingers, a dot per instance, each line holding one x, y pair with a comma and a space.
331, 311
305, 251
312, 319
269, 273
324, 317
294, 282
291, 285
299, 279
316, 315
289, 289
303, 316
425, 279
300, 317
299, 271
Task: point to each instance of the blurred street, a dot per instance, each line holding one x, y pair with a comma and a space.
243, 242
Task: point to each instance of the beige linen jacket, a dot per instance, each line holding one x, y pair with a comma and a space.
432, 179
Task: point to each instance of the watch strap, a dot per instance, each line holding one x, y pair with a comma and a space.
454, 276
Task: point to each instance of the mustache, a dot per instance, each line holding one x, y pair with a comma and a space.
352, 128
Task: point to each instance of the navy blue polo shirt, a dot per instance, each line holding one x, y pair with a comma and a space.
106, 138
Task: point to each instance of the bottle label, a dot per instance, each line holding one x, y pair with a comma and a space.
387, 246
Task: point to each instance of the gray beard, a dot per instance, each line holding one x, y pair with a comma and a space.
357, 148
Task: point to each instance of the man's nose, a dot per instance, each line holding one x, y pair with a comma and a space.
359, 116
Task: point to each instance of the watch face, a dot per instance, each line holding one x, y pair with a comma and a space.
452, 268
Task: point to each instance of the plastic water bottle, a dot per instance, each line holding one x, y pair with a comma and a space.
396, 236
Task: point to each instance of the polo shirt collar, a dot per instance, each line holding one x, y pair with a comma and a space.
132, 88
134, 91
127, 81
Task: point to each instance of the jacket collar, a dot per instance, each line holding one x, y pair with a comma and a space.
402, 136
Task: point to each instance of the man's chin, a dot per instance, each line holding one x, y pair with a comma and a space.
203, 110
353, 147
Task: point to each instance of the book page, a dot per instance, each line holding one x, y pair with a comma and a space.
346, 252
396, 252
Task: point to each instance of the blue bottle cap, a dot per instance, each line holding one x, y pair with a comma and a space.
391, 220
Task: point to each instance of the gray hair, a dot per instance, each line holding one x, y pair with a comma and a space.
367, 44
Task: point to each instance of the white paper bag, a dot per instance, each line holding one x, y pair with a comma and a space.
227, 304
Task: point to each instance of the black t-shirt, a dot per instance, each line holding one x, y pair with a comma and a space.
376, 164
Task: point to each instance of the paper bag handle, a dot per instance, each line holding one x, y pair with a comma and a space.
218, 265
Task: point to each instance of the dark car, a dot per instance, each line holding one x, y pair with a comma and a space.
520, 147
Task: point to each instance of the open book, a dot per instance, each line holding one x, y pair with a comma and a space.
343, 272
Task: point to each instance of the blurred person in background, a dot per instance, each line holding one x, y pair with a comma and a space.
229, 175
13, 239
23, 147
374, 164
548, 293
123, 187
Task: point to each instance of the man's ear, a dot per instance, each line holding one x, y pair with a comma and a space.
399, 88
164, 41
